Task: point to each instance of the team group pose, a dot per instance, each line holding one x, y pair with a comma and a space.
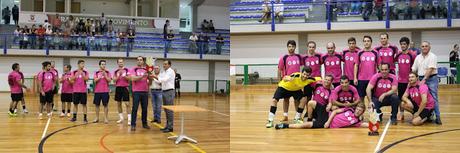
73, 87
352, 77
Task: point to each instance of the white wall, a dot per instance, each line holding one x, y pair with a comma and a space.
442, 42
169, 8
219, 16
109, 7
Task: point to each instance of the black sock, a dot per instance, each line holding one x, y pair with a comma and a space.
273, 109
74, 115
285, 125
309, 119
68, 111
84, 116
24, 107
63, 111
300, 110
11, 110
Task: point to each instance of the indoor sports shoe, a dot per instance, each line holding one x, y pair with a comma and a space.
281, 126
40, 116
25, 111
269, 124
69, 115
15, 114
15, 110
62, 115
11, 114
73, 119
85, 121
120, 121
298, 121
129, 121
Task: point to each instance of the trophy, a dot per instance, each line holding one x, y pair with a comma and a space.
150, 63
374, 119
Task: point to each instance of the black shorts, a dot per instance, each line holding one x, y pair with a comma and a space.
66, 97
320, 115
362, 85
401, 89
308, 91
121, 94
17, 96
282, 93
48, 98
425, 112
79, 98
98, 97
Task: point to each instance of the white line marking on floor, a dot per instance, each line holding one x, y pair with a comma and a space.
220, 113
383, 136
47, 124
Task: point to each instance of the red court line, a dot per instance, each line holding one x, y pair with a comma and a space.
101, 141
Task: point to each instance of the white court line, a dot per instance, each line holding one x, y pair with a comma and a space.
220, 113
250, 111
47, 124
383, 136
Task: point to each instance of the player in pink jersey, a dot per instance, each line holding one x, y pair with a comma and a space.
102, 80
339, 118
46, 80
350, 57
418, 100
381, 91
288, 64
78, 79
66, 90
56, 84
405, 59
15, 81
318, 105
121, 79
312, 60
140, 79
387, 52
344, 95
365, 67
333, 63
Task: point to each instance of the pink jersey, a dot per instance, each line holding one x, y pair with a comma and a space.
120, 73
102, 85
345, 119
382, 85
341, 96
55, 72
333, 66
387, 55
321, 94
67, 87
47, 79
290, 64
349, 60
367, 64
314, 62
13, 79
142, 84
415, 94
79, 86
405, 62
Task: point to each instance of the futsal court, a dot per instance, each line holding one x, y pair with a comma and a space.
26, 133
250, 107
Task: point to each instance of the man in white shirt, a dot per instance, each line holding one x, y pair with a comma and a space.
157, 96
425, 65
193, 38
167, 79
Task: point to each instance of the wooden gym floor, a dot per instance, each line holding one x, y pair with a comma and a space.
23, 133
249, 111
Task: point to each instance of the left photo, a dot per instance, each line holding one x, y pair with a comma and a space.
114, 76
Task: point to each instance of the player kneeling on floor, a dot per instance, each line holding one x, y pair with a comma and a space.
417, 100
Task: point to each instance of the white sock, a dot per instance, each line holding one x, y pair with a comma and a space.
271, 116
285, 114
121, 116
129, 117
297, 116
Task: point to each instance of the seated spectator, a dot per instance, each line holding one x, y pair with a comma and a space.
279, 9
379, 9
192, 45
110, 35
57, 23
47, 25
413, 10
427, 6
120, 39
400, 7
266, 10
23, 39
74, 40
80, 27
88, 26
367, 11
204, 26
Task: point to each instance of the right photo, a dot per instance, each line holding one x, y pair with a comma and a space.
344, 76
